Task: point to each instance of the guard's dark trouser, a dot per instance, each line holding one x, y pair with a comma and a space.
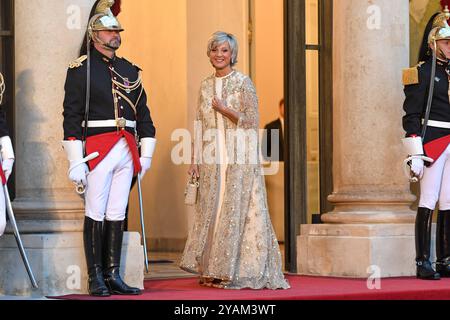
93, 237
443, 243
423, 243
113, 236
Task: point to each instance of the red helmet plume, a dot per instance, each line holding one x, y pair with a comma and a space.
116, 8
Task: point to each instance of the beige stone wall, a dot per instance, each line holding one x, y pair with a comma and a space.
267, 71
268, 57
155, 39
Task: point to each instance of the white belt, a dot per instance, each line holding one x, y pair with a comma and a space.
108, 124
438, 124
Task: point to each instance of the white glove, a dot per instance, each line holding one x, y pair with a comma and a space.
146, 163
417, 167
7, 167
7, 153
78, 174
78, 169
148, 146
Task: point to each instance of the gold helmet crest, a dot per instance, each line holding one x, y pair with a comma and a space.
105, 18
441, 29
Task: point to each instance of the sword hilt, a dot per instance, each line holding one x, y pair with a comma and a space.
80, 189
407, 169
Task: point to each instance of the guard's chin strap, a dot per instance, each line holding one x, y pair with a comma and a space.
100, 42
440, 54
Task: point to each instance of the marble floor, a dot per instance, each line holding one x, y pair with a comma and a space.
164, 265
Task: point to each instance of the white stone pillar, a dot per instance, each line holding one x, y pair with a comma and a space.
48, 35
372, 223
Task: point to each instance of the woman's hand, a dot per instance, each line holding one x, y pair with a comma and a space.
194, 170
218, 105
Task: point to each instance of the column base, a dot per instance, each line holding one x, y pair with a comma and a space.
350, 250
369, 217
59, 264
371, 207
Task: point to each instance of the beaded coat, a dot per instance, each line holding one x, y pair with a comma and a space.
235, 243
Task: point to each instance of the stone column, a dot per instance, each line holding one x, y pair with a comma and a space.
50, 214
372, 223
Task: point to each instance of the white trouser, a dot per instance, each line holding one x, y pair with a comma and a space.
2, 212
108, 185
435, 184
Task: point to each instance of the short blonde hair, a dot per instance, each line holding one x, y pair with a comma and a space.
219, 38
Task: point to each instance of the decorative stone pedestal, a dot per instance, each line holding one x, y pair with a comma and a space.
59, 265
350, 250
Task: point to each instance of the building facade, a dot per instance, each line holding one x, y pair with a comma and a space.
338, 65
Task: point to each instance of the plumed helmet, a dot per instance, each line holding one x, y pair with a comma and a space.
105, 17
441, 29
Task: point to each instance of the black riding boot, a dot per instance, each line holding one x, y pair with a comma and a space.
111, 259
92, 236
423, 242
443, 243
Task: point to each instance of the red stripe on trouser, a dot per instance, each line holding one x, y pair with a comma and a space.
2, 175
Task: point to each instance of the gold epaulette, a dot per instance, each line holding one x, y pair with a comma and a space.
411, 75
77, 62
133, 64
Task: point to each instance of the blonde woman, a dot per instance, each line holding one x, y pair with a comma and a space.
232, 243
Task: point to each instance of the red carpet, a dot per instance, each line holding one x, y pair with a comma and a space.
303, 288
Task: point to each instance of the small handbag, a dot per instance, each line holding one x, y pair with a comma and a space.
190, 194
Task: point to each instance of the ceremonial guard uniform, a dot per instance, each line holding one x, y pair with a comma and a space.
7, 156
427, 142
112, 124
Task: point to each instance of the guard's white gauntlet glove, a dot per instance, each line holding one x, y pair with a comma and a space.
7, 153
414, 148
78, 169
148, 146
417, 167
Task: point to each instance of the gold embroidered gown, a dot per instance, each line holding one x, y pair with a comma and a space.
232, 238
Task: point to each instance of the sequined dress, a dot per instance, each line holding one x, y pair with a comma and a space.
232, 238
